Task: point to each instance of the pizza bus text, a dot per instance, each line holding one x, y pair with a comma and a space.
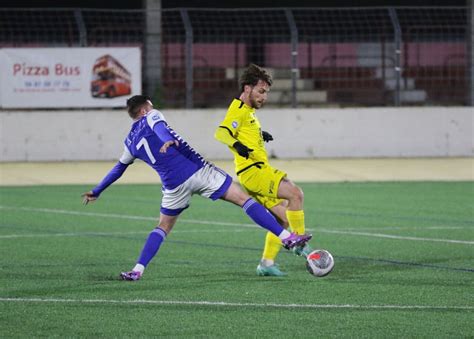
59, 69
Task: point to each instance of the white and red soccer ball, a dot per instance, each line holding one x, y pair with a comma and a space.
319, 263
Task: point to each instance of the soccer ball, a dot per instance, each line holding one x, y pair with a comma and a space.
319, 263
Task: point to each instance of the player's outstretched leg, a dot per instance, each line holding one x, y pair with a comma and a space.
261, 216
151, 247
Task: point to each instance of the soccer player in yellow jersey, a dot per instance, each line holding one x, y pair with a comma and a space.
241, 131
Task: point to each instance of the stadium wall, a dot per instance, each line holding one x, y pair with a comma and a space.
298, 133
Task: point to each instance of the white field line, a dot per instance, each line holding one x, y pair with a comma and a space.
85, 234
234, 304
403, 228
390, 236
205, 222
121, 216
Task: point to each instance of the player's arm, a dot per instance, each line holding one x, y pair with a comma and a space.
114, 174
164, 134
227, 130
158, 124
224, 135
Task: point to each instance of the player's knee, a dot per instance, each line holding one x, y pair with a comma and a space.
166, 223
165, 227
243, 197
296, 195
236, 195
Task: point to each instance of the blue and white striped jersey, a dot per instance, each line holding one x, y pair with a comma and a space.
144, 142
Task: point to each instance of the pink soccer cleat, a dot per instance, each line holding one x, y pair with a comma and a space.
296, 240
130, 276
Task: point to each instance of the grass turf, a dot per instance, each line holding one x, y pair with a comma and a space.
403, 251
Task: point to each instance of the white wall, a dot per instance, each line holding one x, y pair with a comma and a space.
300, 133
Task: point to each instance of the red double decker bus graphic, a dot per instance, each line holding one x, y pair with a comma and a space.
109, 78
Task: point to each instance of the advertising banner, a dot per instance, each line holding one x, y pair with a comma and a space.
68, 77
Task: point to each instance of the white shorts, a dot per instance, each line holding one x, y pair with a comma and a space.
210, 182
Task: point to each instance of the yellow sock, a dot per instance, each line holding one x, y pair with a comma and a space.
296, 221
272, 247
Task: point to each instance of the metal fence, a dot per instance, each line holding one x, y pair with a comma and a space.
318, 56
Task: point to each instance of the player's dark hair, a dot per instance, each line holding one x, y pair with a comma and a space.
252, 75
135, 103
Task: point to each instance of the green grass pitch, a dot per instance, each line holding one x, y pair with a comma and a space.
404, 256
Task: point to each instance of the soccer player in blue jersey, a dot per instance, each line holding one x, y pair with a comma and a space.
183, 172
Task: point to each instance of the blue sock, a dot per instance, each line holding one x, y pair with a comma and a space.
152, 245
261, 216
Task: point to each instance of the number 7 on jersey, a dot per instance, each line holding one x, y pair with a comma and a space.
143, 142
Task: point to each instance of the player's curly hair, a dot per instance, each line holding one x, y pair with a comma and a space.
135, 103
252, 75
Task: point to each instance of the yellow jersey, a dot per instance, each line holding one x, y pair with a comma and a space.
241, 124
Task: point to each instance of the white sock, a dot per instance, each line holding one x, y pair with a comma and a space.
267, 262
283, 235
139, 268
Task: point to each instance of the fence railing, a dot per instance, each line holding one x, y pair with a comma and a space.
318, 56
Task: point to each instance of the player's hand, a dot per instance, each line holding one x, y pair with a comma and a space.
88, 197
167, 144
266, 136
243, 150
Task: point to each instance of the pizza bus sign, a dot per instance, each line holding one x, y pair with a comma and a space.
68, 77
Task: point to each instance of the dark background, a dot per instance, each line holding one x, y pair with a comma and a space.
137, 4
